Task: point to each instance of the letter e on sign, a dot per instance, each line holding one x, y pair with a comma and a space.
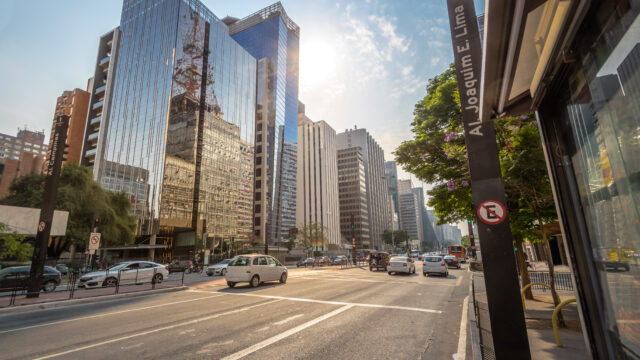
492, 212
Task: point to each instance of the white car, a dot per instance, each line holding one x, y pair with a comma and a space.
130, 272
434, 265
398, 264
219, 268
255, 269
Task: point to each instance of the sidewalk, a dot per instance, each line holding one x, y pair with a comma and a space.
542, 341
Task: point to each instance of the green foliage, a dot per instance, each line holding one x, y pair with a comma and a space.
399, 237
437, 155
312, 235
466, 241
13, 246
83, 198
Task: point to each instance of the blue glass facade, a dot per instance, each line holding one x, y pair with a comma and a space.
178, 130
270, 34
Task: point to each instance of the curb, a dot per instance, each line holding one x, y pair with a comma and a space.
66, 303
476, 353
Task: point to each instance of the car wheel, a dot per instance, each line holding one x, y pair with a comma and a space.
424, 274
157, 278
108, 282
223, 272
187, 271
389, 273
255, 281
209, 273
370, 268
283, 278
231, 284
49, 286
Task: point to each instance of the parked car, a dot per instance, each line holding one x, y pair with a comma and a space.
180, 266
255, 269
130, 272
305, 262
64, 270
434, 265
322, 261
452, 261
398, 264
219, 268
18, 278
340, 260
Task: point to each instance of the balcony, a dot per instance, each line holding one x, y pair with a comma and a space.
104, 62
101, 89
98, 104
90, 153
95, 120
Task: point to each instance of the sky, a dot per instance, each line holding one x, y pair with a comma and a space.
362, 63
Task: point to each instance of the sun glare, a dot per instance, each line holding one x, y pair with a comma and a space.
318, 62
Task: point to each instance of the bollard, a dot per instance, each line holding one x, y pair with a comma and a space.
182, 278
524, 307
554, 319
136, 281
118, 282
153, 279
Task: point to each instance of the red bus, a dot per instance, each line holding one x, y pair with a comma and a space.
459, 252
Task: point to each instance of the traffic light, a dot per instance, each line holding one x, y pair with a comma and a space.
468, 221
96, 222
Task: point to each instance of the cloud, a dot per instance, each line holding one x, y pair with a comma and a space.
435, 61
438, 30
388, 29
407, 70
436, 43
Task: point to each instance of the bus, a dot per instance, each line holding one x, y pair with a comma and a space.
459, 252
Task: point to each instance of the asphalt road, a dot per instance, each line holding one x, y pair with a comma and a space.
318, 314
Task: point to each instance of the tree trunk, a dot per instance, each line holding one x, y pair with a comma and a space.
552, 281
524, 271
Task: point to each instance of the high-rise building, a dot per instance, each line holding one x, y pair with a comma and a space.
410, 210
352, 193
10, 169
317, 178
391, 174
12, 147
429, 239
378, 198
171, 123
75, 104
269, 34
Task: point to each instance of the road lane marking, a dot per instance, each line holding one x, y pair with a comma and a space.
462, 340
142, 333
331, 302
287, 319
297, 329
107, 314
459, 280
375, 281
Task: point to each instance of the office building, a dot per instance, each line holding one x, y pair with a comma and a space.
352, 194
171, 123
577, 65
269, 35
378, 198
75, 104
317, 178
410, 210
10, 169
12, 147
429, 239
391, 175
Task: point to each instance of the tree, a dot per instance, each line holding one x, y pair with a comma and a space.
312, 235
465, 241
84, 199
437, 154
13, 246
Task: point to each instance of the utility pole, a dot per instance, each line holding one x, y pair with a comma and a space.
472, 240
54, 165
353, 239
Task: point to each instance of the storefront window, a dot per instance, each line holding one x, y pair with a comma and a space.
600, 131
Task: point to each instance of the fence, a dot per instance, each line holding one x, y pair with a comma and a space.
562, 280
76, 284
482, 320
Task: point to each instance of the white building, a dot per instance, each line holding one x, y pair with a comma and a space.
317, 177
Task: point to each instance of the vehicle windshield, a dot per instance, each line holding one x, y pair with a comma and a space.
398, 258
118, 267
433, 259
225, 261
240, 261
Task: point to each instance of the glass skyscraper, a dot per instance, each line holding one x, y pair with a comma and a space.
272, 37
171, 124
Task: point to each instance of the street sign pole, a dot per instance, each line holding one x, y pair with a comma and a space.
508, 327
56, 152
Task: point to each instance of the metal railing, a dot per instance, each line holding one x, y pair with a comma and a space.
562, 280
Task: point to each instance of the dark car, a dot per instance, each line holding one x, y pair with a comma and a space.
322, 261
305, 262
452, 261
180, 266
64, 270
340, 260
18, 278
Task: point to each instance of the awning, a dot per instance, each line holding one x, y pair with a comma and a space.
524, 42
135, 247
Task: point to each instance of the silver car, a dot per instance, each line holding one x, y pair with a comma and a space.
434, 265
131, 272
255, 269
219, 268
398, 264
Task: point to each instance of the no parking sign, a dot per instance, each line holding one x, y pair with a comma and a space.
492, 212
